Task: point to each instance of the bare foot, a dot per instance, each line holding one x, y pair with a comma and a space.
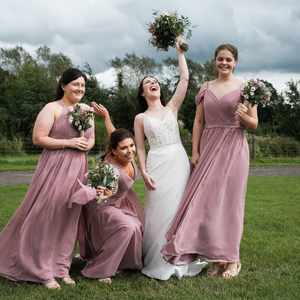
52, 284
232, 270
105, 280
68, 280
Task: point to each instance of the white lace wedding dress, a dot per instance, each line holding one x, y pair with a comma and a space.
168, 165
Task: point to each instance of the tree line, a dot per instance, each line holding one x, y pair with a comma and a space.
28, 81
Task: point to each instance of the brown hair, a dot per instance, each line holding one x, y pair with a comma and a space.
230, 48
142, 104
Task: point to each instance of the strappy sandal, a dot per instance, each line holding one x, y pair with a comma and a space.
232, 270
105, 280
52, 284
68, 280
214, 269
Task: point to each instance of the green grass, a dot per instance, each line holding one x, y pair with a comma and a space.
269, 254
29, 162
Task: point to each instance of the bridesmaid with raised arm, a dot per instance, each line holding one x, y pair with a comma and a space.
110, 232
209, 222
37, 243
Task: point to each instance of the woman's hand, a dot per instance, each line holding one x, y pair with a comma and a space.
103, 192
241, 110
100, 110
149, 182
80, 143
180, 44
195, 158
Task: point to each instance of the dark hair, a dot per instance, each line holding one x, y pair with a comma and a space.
66, 77
118, 136
142, 104
230, 48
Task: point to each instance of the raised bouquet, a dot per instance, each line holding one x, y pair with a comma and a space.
104, 176
166, 27
256, 92
81, 118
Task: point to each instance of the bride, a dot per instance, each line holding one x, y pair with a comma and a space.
165, 171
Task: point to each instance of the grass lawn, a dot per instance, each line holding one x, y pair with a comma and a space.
29, 162
269, 253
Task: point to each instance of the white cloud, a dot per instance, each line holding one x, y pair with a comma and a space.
96, 31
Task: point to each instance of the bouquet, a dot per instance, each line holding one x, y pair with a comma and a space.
103, 175
166, 28
81, 118
255, 91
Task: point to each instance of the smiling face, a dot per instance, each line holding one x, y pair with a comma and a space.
225, 62
74, 90
151, 88
125, 151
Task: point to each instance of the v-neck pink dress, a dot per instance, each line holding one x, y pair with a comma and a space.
209, 221
110, 234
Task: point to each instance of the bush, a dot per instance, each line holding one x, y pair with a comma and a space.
13, 146
267, 146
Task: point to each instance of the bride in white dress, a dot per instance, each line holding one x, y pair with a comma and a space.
165, 171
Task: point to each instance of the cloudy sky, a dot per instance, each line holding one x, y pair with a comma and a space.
267, 33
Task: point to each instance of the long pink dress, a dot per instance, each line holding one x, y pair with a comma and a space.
209, 221
110, 234
37, 243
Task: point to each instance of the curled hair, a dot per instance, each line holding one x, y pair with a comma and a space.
66, 77
118, 136
232, 49
142, 103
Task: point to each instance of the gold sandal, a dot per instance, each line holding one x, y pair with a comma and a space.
105, 280
51, 284
232, 270
214, 270
68, 280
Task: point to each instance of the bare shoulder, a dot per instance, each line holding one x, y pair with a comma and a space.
51, 106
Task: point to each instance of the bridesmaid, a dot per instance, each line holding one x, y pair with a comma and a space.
37, 243
209, 222
110, 234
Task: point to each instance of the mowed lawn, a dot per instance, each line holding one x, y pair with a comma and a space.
270, 254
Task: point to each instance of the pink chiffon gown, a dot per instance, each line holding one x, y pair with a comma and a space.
37, 243
209, 222
110, 235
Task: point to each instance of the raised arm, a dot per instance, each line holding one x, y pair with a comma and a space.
141, 152
182, 85
102, 111
43, 126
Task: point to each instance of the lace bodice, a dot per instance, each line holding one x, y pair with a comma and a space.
162, 132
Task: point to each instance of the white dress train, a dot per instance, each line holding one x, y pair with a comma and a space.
167, 163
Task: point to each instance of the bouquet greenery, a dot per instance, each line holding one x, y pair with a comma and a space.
81, 118
255, 91
104, 176
166, 28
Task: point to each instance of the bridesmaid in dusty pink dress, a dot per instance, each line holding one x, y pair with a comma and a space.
209, 222
37, 243
110, 234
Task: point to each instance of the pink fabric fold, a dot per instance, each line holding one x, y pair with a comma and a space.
200, 96
83, 195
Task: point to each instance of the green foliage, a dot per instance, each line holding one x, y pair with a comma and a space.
166, 28
14, 145
275, 146
287, 111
